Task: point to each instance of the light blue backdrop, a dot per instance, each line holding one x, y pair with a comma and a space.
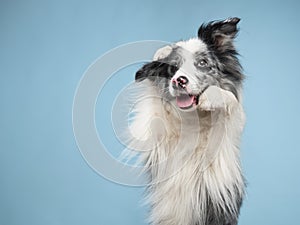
45, 47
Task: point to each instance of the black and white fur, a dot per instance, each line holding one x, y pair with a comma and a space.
187, 127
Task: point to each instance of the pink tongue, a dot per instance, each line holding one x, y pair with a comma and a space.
184, 100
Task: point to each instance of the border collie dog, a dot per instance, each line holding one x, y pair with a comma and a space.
187, 126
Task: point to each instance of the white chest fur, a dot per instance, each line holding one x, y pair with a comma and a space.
192, 159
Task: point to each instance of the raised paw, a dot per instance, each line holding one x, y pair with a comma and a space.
215, 98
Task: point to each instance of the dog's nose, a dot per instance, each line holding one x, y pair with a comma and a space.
181, 81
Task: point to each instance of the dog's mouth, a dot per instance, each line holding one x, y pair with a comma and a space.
187, 101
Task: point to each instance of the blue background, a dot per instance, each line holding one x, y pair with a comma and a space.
45, 47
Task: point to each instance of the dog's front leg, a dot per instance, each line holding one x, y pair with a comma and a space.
215, 98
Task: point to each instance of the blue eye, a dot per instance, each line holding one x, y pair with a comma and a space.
202, 63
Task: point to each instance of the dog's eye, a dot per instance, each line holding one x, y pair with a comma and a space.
172, 69
176, 64
202, 63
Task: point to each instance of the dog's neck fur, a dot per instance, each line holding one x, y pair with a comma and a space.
195, 179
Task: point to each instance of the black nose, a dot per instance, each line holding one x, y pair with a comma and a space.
182, 81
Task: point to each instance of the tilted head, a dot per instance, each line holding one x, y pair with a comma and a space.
184, 70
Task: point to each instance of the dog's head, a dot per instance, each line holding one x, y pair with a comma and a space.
184, 70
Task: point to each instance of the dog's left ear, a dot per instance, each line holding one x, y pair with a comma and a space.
219, 34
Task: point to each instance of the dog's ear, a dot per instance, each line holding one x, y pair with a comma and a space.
141, 74
147, 71
154, 70
219, 34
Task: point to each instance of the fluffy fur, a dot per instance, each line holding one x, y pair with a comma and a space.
187, 126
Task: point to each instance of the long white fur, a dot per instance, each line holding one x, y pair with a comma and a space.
189, 155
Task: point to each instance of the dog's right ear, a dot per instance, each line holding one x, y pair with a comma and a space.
141, 74
154, 70
147, 71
